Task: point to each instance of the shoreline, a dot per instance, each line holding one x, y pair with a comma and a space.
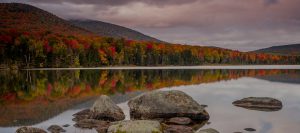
174, 67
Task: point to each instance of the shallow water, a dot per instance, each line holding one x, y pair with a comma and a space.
41, 98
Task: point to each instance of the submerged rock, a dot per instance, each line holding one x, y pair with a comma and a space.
178, 129
83, 114
105, 109
180, 120
259, 103
91, 123
30, 130
102, 128
55, 129
250, 129
135, 126
166, 104
209, 130
66, 125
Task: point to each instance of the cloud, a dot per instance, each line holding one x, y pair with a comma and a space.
271, 2
119, 2
243, 25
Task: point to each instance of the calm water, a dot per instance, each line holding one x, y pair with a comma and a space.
41, 98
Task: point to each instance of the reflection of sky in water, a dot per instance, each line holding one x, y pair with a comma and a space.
225, 117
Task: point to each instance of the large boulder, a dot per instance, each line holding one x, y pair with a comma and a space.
166, 104
259, 103
105, 109
209, 130
135, 126
30, 130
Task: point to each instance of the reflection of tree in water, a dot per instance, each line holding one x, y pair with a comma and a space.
37, 95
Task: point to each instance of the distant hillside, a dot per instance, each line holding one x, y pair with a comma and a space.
282, 50
27, 18
112, 30
32, 38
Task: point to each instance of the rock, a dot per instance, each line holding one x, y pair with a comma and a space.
259, 103
180, 120
55, 129
105, 109
196, 125
209, 130
250, 129
102, 129
30, 130
83, 114
135, 126
204, 106
166, 104
178, 129
66, 125
91, 123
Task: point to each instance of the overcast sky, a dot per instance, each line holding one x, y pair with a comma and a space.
236, 24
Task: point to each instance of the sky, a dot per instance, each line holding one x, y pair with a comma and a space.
243, 25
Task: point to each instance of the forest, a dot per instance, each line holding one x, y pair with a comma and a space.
21, 49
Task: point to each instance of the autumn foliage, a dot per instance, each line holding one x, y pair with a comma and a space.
31, 37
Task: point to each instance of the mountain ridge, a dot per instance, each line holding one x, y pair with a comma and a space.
111, 30
24, 17
289, 49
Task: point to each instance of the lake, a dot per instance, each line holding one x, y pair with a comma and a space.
42, 97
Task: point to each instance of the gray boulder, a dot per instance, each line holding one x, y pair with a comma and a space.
259, 103
209, 130
30, 130
166, 104
105, 109
136, 126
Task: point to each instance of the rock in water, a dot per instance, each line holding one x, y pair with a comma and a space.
259, 103
81, 115
30, 130
178, 129
105, 109
250, 129
166, 104
135, 126
55, 129
209, 130
91, 123
66, 125
180, 120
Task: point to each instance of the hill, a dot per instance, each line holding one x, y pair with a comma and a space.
292, 49
31, 37
112, 30
27, 18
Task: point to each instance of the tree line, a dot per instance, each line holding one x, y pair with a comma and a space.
46, 49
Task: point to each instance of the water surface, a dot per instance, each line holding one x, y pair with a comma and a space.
41, 98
